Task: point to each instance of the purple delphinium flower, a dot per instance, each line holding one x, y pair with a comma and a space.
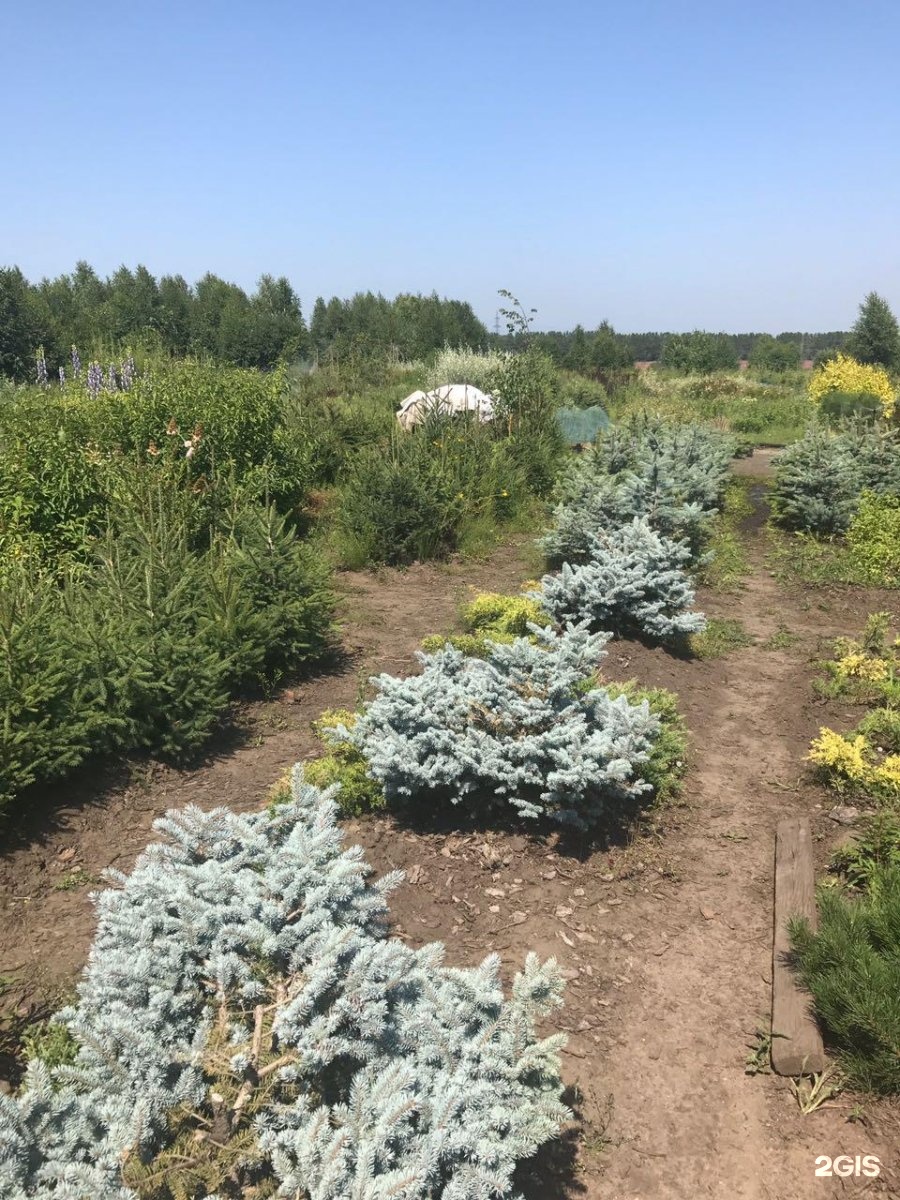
127, 374
76, 362
62, 376
94, 379
41, 368
111, 379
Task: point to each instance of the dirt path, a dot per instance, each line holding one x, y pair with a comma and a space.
703, 1127
665, 944
696, 976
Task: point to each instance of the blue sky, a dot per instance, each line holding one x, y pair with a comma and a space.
663, 165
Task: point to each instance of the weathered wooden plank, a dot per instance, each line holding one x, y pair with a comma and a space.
798, 1050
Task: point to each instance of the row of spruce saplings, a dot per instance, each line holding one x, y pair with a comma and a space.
231, 886
198, 588
510, 715
142, 647
518, 697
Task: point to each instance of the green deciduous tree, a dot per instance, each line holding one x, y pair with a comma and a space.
773, 354
21, 329
174, 313
700, 352
578, 358
609, 354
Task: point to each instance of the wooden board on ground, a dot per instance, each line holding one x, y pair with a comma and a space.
796, 1042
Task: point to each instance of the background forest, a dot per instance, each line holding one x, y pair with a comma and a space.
217, 319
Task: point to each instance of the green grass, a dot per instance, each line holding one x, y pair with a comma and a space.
782, 639
803, 558
866, 558
729, 564
72, 880
763, 412
50, 1042
721, 636
874, 848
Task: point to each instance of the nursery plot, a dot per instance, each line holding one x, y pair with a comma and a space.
664, 943
97, 820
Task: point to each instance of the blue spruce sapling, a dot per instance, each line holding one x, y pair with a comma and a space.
633, 582
521, 727
244, 1021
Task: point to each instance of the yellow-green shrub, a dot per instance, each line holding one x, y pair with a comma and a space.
493, 612
873, 539
343, 764
473, 644
852, 761
844, 374
865, 670
491, 617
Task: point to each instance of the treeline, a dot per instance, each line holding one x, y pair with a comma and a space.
218, 320
214, 319
565, 346
407, 327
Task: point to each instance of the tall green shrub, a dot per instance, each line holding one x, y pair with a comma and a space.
62, 447
418, 497
526, 387
873, 539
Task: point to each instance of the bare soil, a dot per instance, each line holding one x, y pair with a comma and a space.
665, 941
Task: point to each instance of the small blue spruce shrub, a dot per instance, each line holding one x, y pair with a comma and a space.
633, 582
674, 475
246, 1026
524, 726
820, 479
607, 504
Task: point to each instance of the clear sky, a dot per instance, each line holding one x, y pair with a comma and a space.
662, 164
